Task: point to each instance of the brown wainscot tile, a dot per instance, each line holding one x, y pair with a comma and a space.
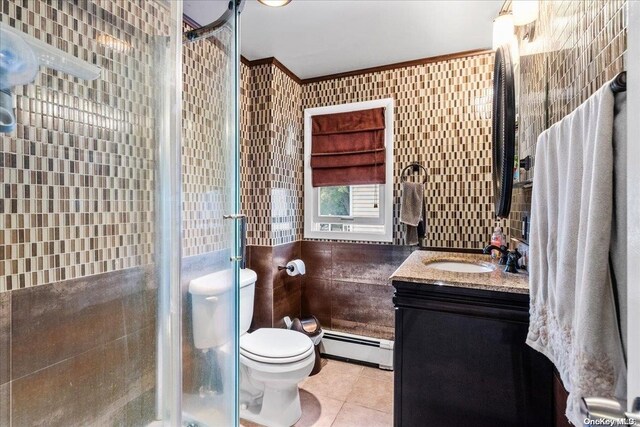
95, 385
316, 299
54, 322
286, 300
366, 263
317, 258
261, 261
5, 404
362, 302
364, 329
5, 337
262, 308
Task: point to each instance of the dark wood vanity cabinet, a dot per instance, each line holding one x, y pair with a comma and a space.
461, 360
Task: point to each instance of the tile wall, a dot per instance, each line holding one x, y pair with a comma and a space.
347, 286
77, 214
440, 121
206, 155
577, 47
437, 124
77, 174
272, 156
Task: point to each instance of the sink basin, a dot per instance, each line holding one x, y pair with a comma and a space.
461, 266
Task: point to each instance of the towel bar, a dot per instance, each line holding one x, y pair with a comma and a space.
415, 167
619, 83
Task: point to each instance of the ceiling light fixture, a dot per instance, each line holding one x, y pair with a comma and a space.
275, 3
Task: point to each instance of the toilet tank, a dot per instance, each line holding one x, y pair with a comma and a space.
212, 306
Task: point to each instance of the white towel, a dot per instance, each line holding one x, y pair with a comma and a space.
573, 318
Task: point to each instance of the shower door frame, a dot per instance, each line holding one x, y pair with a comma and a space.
169, 224
169, 207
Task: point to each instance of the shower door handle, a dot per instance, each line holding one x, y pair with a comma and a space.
242, 258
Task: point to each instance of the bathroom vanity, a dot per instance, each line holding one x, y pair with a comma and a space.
460, 354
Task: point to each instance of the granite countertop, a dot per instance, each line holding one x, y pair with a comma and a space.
413, 269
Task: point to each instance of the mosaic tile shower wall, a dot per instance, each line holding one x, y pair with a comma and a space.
577, 47
206, 110
77, 174
272, 156
441, 123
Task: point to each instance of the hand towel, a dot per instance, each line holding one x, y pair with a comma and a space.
411, 209
572, 313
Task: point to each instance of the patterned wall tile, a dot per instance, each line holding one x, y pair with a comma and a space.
78, 172
577, 47
436, 123
287, 167
272, 156
207, 153
256, 156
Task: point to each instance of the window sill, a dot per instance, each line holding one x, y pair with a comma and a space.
352, 237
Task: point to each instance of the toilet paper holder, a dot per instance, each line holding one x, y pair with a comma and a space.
293, 268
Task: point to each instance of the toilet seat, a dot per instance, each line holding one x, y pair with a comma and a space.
275, 346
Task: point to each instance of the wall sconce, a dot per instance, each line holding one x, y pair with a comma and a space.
525, 13
275, 3
504, 34
503, 30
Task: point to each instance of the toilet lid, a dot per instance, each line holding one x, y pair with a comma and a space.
272, 345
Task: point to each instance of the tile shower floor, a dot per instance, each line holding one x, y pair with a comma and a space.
345, 395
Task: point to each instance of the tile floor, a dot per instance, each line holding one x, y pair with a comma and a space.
345, 395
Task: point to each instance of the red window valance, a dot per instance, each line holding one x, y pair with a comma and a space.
348, 148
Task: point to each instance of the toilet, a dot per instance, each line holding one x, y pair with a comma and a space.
272, 361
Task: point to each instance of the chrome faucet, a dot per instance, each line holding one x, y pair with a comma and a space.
507, 258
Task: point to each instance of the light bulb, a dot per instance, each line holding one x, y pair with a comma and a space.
502, 30
524, 11
275, 3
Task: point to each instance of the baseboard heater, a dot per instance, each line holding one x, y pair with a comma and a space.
347, 346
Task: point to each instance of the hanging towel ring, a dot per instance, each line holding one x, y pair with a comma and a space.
414, 168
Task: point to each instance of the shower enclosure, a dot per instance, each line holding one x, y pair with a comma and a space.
115, 193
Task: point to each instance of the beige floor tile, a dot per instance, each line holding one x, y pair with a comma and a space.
331, 382
378, 374
338, 367
372, 393
245, 423
318, 410
358, 416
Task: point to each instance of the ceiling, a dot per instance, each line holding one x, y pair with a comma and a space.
320, 37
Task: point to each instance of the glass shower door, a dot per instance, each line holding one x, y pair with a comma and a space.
210, 223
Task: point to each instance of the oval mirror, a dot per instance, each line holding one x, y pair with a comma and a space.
504, 130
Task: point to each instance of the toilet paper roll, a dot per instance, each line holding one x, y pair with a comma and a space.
295, 267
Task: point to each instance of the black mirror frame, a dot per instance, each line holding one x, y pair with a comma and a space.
503, 130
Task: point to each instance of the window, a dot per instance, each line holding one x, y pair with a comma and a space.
353, 210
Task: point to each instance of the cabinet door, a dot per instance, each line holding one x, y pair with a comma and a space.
456, 370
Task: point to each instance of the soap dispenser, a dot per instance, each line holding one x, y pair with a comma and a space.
498, 239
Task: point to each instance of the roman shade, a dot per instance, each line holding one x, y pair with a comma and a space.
348, 148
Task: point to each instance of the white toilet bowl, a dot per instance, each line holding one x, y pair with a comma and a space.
272, 363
